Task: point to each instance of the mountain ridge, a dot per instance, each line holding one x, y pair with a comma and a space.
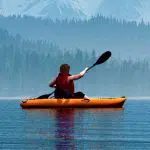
135, 10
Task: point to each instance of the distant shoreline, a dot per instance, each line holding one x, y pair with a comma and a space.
14, 98
139, 98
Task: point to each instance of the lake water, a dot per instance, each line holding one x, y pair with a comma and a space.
67, 129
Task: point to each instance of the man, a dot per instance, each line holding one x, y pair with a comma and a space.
64, 83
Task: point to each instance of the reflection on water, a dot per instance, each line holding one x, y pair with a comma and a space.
78, 125
64, 128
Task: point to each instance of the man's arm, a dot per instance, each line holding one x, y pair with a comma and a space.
53, 83
78, 76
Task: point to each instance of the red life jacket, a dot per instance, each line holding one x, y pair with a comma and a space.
62, 83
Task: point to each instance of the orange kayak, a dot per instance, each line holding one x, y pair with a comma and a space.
92, 102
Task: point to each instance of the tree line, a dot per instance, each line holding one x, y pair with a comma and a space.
96, 33
26, 70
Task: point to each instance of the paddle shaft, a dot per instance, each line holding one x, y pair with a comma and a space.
90, 67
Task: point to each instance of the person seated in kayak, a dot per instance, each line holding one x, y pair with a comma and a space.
64, 83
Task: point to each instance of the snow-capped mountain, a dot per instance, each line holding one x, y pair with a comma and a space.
130, 10
145, 10
55, 9
121, 9
59, 9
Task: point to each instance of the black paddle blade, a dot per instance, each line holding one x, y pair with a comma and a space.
45, 96
104, 57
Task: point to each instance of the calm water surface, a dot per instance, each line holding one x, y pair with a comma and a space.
67, 129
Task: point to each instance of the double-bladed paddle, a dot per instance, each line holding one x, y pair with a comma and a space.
103, 58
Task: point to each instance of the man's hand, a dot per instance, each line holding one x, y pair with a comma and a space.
82, 73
